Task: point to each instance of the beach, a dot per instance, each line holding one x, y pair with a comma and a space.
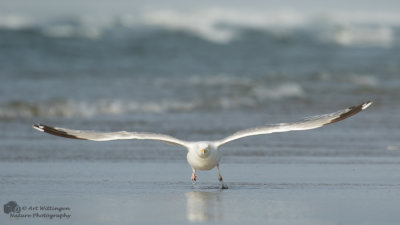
199, 72
332, 192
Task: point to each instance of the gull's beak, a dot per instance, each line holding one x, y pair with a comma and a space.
203, 151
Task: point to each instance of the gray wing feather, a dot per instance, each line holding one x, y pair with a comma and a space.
107, 136
306, 124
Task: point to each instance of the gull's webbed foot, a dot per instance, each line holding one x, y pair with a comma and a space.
223, 186
194, 177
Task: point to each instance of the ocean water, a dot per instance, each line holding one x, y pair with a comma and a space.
201, 74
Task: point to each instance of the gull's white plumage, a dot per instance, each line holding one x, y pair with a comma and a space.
204, 155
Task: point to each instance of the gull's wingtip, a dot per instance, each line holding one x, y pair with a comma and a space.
350, 112
366, 104
38, 127
56, 131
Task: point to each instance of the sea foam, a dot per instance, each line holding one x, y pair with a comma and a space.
221, 25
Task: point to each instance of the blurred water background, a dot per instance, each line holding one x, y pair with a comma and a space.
196, 72
199, 71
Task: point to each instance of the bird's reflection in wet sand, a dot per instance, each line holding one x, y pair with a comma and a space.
203, 205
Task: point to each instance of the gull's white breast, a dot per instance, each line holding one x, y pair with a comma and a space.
203, 163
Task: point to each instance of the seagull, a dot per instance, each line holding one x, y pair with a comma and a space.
205, 155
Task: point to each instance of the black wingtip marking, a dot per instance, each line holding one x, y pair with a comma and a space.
55, 131
37, 127
352, 111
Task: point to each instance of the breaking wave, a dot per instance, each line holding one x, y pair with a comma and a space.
255, 96
70, 108
219, 25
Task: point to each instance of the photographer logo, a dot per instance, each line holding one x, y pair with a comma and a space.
16, 211
11, 207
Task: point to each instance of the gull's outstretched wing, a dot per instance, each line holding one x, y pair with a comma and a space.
106, 136
306, 124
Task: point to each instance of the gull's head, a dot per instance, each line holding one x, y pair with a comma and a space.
203, 149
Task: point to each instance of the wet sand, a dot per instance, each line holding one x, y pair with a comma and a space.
303, 191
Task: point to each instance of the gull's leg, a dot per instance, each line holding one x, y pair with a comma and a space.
194, 176
223, 186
